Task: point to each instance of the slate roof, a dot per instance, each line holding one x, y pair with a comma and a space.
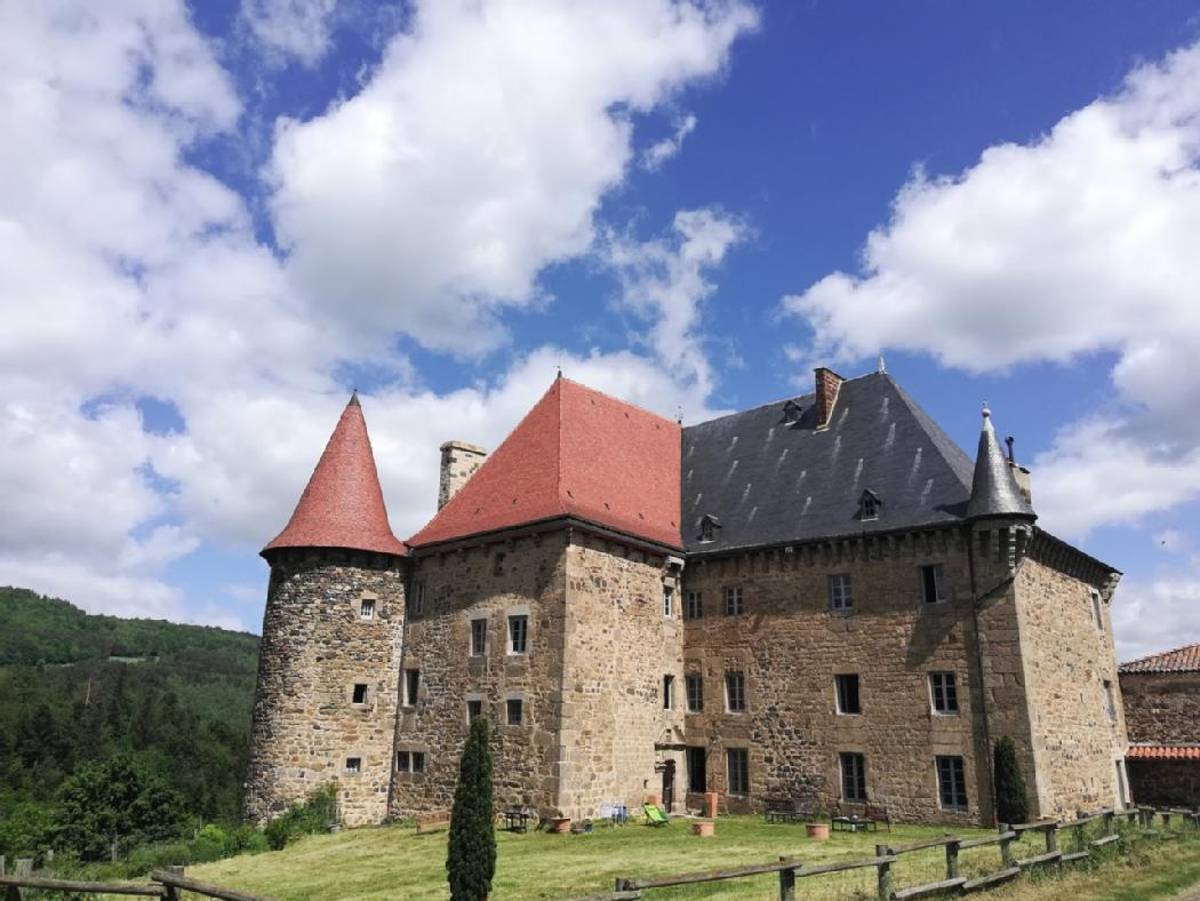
1163, 752
342, 505
578, 453
994, 489
768, 481
1179, 660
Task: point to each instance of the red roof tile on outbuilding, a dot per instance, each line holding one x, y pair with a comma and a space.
577, 453
1163, 752
1179, 660
342, 506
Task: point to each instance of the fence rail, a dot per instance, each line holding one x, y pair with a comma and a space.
164, 884
791, 869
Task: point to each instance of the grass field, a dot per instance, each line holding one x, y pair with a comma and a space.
394, 862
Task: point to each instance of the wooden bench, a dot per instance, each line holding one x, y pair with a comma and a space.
785, 810
850, 820
433, 822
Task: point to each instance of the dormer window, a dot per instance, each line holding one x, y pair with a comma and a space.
708, 527
791, 412
868, 505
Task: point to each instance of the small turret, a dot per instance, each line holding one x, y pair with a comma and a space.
994, 490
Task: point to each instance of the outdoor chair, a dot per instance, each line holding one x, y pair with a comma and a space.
655, 815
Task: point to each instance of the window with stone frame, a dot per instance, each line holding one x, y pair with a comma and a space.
668, 601
738, 764
474, 709
478, 637
366, 609
412, 687
694, 607
668, 696
1110, 701
518, 634
695, 692
410, 761
353, 765
735, 692
854, 777
514, 711
846, 689
498, 563
943, 691
1097, 615
952, 783
359, 695
734, 603
418, 602
841, 593
931, 583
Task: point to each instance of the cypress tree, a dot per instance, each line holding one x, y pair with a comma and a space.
1011, 804
471, 861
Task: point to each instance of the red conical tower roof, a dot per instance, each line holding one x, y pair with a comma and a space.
343, 505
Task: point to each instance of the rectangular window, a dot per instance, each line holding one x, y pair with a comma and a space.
695, 692
944, 692
518, 634
514, 709
697, 770
474, 710
738, 760
353, 765
498, 564
366, 609
735, 692
478, 637
841, 597
854, 777
734, 605
668, 693
360, 693
952, 783
695, 606
668, 601
847, 693
418, 604
412, 686
931, 584
410, 761
1097, 616
1110, 702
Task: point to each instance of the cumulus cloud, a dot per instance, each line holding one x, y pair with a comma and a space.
1155, 614
1078, 242
654, 156
294, 28
477, 154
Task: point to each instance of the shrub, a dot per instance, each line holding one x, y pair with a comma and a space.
1012, 805
315, 815
471, 861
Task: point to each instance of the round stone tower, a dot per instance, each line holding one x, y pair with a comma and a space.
328, 671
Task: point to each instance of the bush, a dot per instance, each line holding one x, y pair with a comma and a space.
1012, 805
315, 815
471, 861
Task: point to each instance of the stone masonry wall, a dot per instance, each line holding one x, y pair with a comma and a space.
525, 575
1165, 783
619, 646
460, 461
1068, 658
316, 646
790, 645
1162, 708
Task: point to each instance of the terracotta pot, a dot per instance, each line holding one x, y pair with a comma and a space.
817, 831
711, 800
705, 828
562, 824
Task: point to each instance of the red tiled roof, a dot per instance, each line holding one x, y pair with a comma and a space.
577, 453
1163, 752
1180, 660
343, 505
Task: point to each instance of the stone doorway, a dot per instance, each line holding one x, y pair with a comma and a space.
668, 785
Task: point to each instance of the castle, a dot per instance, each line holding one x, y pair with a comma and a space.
822, 598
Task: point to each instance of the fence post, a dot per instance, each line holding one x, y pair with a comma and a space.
1108, 822
13, 894
885, 873
787, 885
1052, 839
1006, 855
23, 866
952, 860
2, 871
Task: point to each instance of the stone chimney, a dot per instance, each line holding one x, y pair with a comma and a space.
1020, 473
459, 462
828, 385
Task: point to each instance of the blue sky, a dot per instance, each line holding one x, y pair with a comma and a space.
221, 217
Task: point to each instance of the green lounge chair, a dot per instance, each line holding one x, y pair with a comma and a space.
655, 815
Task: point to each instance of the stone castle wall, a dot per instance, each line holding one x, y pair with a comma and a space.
1162, 708
790, 645
523, 576
316, 646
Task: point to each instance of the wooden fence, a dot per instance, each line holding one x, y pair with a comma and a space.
166, 885
790, 869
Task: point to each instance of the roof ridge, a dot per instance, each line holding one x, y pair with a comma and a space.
616, 399
558, 443
784, 400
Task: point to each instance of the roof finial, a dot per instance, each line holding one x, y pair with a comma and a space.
987, 411
882, 365
353, 397
679, 413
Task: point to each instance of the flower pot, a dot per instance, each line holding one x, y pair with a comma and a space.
817, 831
711, 799
562, 825
704, 828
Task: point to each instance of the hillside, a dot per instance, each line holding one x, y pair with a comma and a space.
77, 688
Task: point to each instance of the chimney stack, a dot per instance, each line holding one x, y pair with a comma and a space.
1020, 473
459, 462
828, 385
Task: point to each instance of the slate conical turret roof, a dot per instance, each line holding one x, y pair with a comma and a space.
994, 489
342, 507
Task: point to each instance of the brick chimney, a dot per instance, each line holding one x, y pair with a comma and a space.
828, 385
1020, 473
459, 462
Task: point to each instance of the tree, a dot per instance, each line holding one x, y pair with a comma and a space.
1011, 803
471, 862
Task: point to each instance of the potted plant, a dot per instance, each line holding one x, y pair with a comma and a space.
818, 828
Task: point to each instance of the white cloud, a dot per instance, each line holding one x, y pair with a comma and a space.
654, 156
1157, 614
477, 154
1171, 540
1081, 241
293, 28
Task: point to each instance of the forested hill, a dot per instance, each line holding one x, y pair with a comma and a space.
77, 688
